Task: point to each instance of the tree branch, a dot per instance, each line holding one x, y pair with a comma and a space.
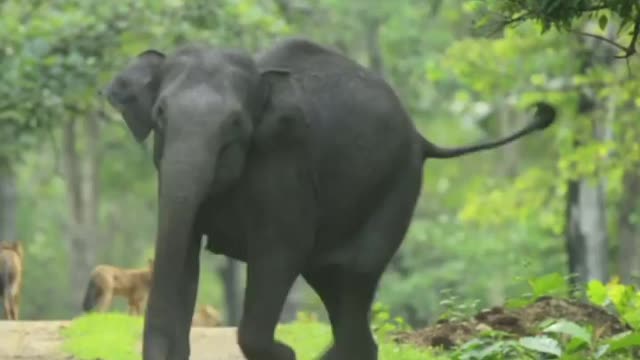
602, 38
528, 14
631, 49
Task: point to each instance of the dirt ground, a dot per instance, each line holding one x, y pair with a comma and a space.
515, 323
41, 340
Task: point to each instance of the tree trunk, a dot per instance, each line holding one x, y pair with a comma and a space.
586, 226
8, 202
83, 192
586, 231
629, 249
573, 238
230, 273
593, 227
92, 181
587, 237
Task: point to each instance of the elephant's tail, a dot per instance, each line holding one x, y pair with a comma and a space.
91, 296
544, 116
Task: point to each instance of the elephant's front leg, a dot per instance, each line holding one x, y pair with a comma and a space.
277, 251
190, 277
268, 282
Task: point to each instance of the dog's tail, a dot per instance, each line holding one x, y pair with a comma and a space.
92, 295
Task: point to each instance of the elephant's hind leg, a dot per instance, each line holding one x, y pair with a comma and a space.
347, 290
347, 297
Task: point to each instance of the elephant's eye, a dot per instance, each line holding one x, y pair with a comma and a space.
159, 112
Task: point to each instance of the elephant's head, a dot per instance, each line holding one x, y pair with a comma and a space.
212, 111
208, 106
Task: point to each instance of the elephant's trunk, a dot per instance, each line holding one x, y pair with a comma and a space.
186, 172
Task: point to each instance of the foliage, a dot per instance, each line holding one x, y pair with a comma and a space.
384, 323
624, 299
564, 14
562, 338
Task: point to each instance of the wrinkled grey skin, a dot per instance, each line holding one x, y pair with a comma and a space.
298, 162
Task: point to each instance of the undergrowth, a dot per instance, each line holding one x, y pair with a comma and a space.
115, 336
560, 338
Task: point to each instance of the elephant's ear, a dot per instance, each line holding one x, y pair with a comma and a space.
134, 91
280, 118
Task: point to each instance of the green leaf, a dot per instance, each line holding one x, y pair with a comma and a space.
597, 292
574, 345
602, 350
551, 284
569, 328
625, 341
543, 344
602, 22
517, 303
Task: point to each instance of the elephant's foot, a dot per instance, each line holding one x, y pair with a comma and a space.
364, 353
156, 346
276, 351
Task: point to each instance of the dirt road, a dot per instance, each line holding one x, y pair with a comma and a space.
41, 340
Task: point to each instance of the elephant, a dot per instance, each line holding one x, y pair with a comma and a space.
297, 161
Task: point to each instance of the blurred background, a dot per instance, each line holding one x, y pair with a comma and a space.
78, 190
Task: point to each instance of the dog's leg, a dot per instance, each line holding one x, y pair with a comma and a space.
105, 300
7, 306
16, 307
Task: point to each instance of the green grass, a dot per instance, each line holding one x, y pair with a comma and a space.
114, 336
107, 336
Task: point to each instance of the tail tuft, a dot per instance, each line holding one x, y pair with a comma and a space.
545, 115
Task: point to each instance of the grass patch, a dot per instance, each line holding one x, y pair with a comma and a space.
115, 336
108, 336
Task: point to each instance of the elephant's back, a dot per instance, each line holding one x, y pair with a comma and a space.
362, 136
342, 99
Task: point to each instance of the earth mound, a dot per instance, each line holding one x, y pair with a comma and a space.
515, 323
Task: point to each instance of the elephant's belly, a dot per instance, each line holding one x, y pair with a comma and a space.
225, 246
225, 235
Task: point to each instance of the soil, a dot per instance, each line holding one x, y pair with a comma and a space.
41, 340
515, 323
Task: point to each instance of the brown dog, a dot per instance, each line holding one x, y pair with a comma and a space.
108, 281
11, 255
206, 316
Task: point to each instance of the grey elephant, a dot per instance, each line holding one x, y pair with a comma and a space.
297, 161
